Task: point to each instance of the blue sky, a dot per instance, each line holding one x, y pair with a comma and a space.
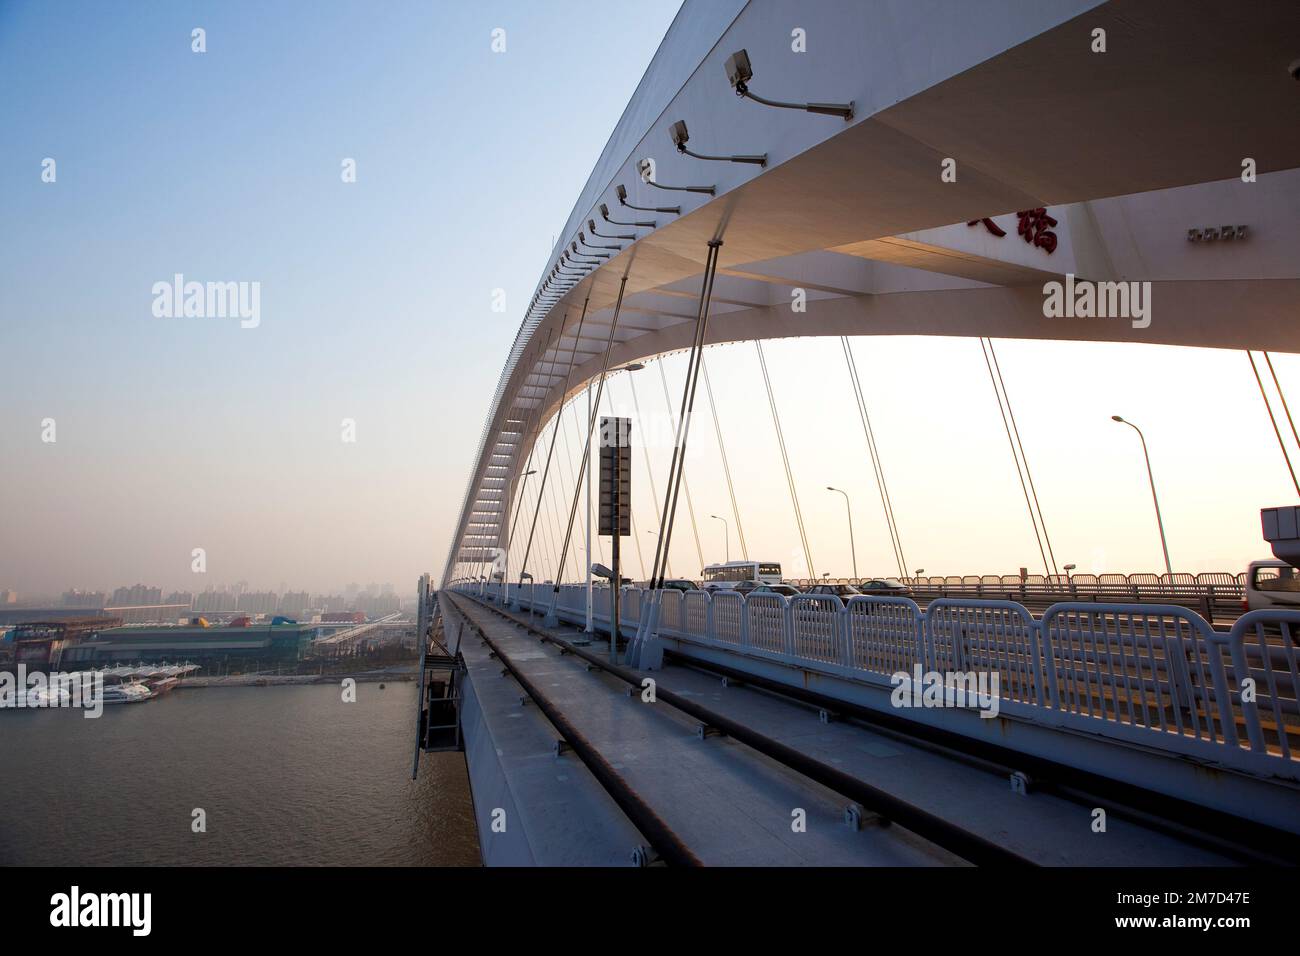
175, 434
375, 296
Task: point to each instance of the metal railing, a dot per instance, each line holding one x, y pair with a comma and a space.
1151, 674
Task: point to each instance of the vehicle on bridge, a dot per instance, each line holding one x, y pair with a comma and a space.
785, 590
841, 591
680, 584
888, 586
741, 575
1271, 584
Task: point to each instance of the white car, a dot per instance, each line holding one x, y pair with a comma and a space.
1272, 584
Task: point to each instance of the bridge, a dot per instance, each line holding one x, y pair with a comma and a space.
891, 184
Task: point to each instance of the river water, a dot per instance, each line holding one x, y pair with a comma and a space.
283, 775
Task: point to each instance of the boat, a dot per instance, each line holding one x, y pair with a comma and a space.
126, 692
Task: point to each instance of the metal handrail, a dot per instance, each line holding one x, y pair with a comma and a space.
1137, 668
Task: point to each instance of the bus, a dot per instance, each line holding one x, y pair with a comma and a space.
741, 575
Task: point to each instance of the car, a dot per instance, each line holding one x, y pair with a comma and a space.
890, 587
784, 590
680, 584
1272, 584
841, 591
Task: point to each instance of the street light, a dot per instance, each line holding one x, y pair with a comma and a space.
852, 547
726, 531
1151, 476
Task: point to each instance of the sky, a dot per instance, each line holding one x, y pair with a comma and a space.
176, 433
375, 296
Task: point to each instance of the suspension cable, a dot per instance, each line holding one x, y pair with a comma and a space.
726, 467
600, 552
591, 427
1282, 395
577, 485
645, 447
785, 460
677, 466
546, 469
690, 504
1011, 442
876, 465
1028, 474
1268, 405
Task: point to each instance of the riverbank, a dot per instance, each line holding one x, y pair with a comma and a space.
292, 680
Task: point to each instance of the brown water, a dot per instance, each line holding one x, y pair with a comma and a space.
286, 776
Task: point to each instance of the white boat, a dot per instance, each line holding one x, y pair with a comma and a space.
126, 692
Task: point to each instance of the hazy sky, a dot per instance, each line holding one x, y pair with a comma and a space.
957, 500
376, 296
375, 306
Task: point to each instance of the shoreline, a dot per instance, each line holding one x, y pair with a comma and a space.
281, 680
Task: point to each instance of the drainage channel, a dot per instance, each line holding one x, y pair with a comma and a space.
958, 840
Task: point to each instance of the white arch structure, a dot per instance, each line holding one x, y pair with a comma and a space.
1128, 150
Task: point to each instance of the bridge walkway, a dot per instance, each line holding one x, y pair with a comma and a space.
734, 806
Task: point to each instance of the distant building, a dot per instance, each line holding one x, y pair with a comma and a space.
333, 602
88, 599
250, 645
182, 598
43, 645
378, 606
137, 595
8, 597
294, 603
216, 602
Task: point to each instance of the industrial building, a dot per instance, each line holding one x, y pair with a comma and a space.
255, 644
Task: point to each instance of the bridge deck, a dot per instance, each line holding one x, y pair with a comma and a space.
728, 803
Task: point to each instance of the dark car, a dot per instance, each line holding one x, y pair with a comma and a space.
680, 584
841, 591
785, 590
891, 587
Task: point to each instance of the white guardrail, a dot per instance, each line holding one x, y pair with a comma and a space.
1150, 674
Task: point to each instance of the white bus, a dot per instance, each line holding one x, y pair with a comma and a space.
743, 575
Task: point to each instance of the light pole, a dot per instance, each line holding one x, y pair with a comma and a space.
1156, 501
726, 531
849, 508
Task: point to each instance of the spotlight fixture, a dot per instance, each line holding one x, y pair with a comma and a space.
598, 256
645, 166
622, 198
680, 137
591, 224
740, 72
582, 238
604, 214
